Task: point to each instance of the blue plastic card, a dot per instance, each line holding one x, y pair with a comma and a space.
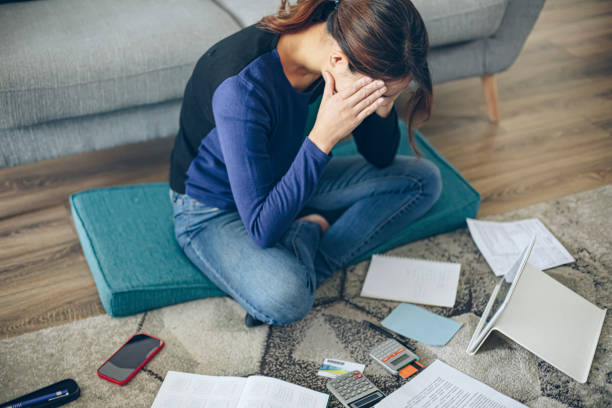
421, 325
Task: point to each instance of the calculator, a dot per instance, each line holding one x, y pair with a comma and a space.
396, 358
354, 390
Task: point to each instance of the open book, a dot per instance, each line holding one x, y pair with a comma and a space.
195, 390
543, 316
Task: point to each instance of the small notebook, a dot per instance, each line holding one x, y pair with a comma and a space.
195, 390
421, 325
412, 280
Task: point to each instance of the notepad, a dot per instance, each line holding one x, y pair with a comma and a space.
421, 325
412, 280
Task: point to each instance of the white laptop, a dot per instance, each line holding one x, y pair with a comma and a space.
543, 316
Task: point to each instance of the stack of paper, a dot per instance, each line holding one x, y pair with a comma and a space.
441, 386
501, 244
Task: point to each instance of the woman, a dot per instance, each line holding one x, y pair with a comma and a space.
266, 213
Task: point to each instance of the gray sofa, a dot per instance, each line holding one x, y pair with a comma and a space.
82, 75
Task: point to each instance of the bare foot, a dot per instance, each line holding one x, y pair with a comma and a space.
318, 219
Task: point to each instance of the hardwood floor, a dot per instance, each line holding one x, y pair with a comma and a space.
555, 133
44, 278
554, 138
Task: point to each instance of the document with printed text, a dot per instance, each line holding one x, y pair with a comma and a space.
502, 242
442, 386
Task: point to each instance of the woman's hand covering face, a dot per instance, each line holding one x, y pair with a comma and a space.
342, 111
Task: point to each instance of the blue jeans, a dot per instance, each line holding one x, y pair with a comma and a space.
365, 205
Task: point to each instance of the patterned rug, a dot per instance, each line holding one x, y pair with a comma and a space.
208, 336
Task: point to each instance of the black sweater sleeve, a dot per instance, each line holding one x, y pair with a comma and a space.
378, 138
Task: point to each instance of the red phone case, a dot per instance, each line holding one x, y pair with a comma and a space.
161, 345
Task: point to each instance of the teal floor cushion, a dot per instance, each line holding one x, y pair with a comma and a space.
128, 240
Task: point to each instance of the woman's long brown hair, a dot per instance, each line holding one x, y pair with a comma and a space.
383, 39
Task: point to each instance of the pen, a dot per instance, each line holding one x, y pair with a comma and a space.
389, 334
41, 399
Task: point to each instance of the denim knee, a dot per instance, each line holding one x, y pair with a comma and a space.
289, 301
422, 170
431, 179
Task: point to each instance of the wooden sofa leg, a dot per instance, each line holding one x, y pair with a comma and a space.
489, 87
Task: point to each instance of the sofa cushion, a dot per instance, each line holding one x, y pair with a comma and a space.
454, 21
447, 21
83, 134
127, 235
68, 58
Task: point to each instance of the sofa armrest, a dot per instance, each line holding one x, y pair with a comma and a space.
503, 47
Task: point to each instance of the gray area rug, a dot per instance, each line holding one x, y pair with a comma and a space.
208, 336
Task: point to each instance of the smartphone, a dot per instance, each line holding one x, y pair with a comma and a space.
130, 358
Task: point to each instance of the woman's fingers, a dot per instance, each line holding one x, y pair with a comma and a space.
370, 109
370, 99
330, 84
365, 92
355, 87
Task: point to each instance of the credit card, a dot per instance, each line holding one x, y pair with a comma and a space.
332, 367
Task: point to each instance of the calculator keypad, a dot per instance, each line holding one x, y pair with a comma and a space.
351, 386
387, 351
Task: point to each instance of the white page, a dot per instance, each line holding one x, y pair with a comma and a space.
442, 386
194, 391
412, 280
501, 243
267, 392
